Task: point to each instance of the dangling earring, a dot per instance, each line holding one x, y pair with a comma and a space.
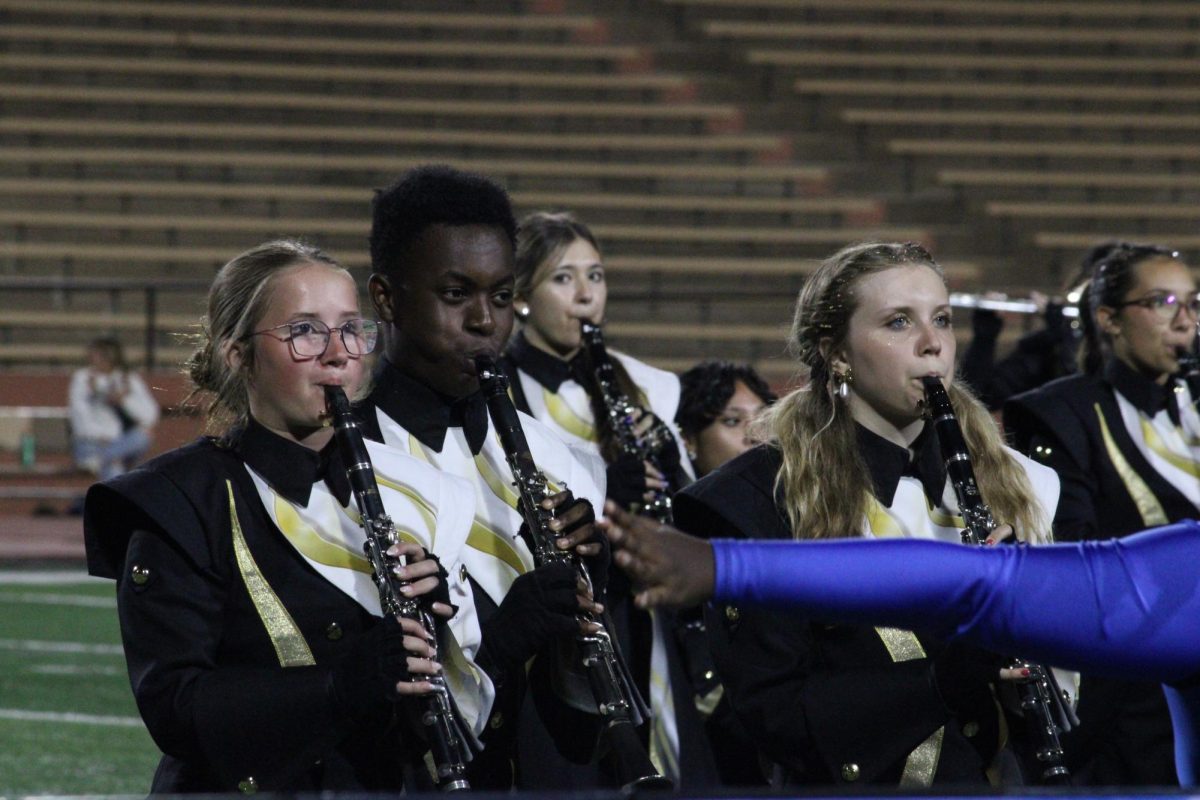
842, 383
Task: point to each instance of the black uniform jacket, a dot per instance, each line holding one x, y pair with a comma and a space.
202, 633
825, 702
1060, 425
533, 740
688, 663
1125, 736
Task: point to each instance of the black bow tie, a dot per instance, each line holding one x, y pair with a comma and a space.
470, 413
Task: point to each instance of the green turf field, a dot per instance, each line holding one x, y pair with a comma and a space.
68, 724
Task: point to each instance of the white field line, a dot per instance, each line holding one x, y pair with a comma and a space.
23, 715
23, 577
39, 646
74, 670
81, 601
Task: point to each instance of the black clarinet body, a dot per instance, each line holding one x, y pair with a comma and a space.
622, 413
600, 660
444, 731
1040, 697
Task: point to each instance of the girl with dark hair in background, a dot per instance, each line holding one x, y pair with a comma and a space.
718, 402
1124, 438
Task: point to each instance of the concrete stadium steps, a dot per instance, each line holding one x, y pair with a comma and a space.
156, 140
1056, 124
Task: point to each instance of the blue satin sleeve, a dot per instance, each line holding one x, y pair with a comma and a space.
1125, 607
1121, 607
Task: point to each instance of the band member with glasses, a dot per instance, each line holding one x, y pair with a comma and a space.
251, 626
1124, 438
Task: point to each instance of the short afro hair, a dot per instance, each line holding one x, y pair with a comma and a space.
706, 389
433, 194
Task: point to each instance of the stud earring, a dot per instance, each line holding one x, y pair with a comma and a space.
523, 312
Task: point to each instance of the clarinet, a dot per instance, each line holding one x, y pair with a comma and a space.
601, 663
449, 739
1040, 698
622, 414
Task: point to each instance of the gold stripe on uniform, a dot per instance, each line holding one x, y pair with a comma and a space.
1155, 443
290, 646
308, 540
566, 418
486, 540
1148, 506
922, 762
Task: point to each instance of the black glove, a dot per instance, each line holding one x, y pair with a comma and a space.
962, 674
597, 565
667, 456
626, 478
441, 592
364, 681
540, 605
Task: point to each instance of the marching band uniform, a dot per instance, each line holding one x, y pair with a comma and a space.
555, 392
1122, 606
844, 704
1128, 453
241, 583
456, 437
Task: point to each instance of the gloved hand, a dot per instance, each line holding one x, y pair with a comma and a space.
962, 675
540, 605
364, 681
578, 515
626, 478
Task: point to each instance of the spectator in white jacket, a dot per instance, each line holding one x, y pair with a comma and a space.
112, 412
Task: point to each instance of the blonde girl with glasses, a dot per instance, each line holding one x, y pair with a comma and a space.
252, 629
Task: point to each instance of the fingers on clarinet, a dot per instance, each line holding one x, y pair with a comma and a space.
423, 586
1000, 534
423, 666
444, 610
1014, 674
413, 688
411, 550
418, 646
416, 569
555, 500
412, 627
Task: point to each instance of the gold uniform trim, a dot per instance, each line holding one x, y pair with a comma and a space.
1155, 443
486, 540
309, 541
922, 762
290, 646
424, 507
481, 537
565, 417
1148, 506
